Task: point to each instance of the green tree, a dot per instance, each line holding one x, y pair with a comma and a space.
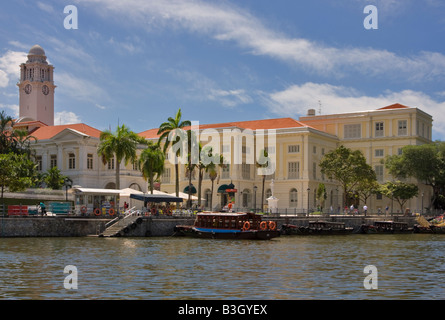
425, 163
17, 172
399, 191
346, 166
6, 133
120, 145
212, 169
54, 179
321, 195
170, 127
151, 163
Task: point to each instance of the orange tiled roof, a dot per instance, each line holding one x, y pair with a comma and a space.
48, 132
279, 123
394, 106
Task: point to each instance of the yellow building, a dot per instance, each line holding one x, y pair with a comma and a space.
296, 147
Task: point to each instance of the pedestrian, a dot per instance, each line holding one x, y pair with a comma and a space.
351, 208
386, 210
365, 209
42, 208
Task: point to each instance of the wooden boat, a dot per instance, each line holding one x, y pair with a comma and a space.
229, 226
317, 228
386, 227
435, 225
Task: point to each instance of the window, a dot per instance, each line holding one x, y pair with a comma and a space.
90, 161
165, 178
246, 171
293, 198
53, 161
314, 149
402, 128
39, 163
111, 164
293, 170
314, 170
379, 173
247, 198
293, 148
378, 152
353, 131
379, 129
71, 161
399, 151
135, 165
226, 171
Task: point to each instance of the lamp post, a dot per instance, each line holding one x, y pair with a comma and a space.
308, 190
255, 188
422, 204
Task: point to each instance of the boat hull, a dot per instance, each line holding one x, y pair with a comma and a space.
302, 231
205, 233
365, 229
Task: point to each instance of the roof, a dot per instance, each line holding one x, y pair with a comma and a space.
279, 123
49, 132
155, 197
394, 106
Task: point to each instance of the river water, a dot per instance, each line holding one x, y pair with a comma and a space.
287, 268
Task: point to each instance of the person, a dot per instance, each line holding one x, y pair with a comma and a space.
387, 209
365, 209
125, 205
351, 208
42, 208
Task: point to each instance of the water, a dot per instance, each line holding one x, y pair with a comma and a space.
287, 268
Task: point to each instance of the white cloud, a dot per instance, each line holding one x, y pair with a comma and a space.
230, 98
78, 88
45, 7
10, 66
230, 23
66, 117
14, 109
296, 100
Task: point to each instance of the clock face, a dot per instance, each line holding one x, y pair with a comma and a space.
28, 89
45, 90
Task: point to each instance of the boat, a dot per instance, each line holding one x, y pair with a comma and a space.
386, 227
317, 228
435, 225
240, 225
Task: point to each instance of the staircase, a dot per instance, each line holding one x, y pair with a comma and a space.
119, 226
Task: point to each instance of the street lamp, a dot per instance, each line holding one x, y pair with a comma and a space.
255, 188
308, 190
422, 204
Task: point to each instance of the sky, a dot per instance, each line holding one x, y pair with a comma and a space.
138, 61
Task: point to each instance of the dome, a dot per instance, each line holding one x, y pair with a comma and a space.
37, 51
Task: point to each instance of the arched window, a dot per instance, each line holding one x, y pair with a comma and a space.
293, 198
247, 198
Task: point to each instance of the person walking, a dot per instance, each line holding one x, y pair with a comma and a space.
365, 209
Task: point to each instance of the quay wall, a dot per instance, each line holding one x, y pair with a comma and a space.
150, 226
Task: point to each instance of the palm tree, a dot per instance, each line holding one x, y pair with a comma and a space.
211, 169
6, 124
170, 126
151, 163
120, 145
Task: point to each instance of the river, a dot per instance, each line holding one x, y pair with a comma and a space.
286, 268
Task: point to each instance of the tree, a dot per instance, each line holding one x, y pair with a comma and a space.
425, 163
17, 172
321, 195
170, 127
399, 191
346, 166
211, 167
54, 179
120, 145
151, 163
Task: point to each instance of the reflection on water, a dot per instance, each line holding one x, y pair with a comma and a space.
325, 267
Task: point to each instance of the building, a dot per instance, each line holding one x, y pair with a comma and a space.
298, 147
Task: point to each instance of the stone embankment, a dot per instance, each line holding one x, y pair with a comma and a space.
62, 226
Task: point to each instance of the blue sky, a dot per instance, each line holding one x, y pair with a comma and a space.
138, 61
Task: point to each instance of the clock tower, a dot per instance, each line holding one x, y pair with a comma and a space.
36, 88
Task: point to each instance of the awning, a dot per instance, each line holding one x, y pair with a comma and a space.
155, 198
222, 188
186, 190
